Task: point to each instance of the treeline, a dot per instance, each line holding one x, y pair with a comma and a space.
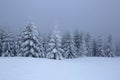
29, 43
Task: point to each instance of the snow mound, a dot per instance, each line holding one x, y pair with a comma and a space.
47, 69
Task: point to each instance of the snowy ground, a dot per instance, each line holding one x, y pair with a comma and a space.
45, 69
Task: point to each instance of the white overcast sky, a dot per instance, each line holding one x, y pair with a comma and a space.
99, 17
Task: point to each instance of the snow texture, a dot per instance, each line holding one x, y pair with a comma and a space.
46, 69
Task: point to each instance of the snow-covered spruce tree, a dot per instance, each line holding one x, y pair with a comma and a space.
68, 46
6, 44
54, 50
117, 50
100, 48
77, 40
108, 47
94, 48
2, 41
45, 42
18, 42
9, 47
13, 48
0, 48
40, 39
89, 46
3, 45
29, 43
83, 48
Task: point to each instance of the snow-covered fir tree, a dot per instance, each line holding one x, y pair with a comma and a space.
68, 46
6, 44
83, 48
100, 48
45, 42
9, 47
40, 39
18, 42
117, 49
77, 39
0, 48
29, 43
54, 50
3, 40
88, 41
94, 48
108, 47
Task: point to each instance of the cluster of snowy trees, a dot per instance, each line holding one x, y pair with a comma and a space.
29, 43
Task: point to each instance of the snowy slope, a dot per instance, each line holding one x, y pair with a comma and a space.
46, 69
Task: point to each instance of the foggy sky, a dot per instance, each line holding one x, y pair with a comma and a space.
99, 17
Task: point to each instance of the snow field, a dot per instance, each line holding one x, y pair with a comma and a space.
72, 69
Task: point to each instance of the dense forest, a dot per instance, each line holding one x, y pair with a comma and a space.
29, 43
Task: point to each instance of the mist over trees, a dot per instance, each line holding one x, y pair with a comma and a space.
29, 43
